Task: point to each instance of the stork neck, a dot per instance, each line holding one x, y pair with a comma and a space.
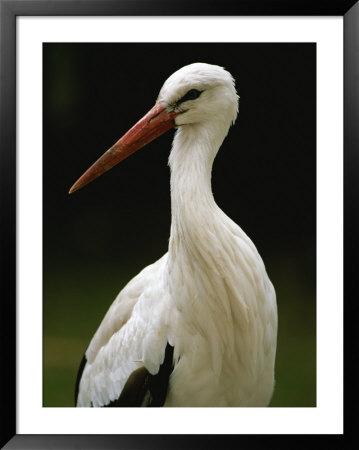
191, 160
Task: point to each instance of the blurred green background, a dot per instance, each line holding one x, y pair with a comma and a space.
264, 178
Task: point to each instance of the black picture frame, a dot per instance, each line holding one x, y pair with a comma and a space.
9, 10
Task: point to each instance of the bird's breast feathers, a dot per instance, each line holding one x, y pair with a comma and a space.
215, 321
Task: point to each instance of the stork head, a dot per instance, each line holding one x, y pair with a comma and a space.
200, 93
196, 94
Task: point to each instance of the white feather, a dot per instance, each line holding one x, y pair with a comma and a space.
209, 296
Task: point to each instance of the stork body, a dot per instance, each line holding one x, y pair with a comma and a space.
199, 326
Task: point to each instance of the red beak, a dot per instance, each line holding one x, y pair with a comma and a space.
156, 122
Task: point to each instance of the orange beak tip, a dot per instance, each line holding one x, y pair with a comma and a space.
75, 187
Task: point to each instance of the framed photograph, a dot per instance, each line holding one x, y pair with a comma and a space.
75, 77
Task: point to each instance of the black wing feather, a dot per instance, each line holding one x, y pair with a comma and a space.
144, 389
78, 378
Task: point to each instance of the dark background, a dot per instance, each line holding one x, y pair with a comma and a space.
264, 178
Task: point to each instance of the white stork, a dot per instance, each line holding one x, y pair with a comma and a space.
199, 326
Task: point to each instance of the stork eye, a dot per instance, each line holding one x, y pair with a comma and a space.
192, 94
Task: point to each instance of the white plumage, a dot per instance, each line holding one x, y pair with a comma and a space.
209, 297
